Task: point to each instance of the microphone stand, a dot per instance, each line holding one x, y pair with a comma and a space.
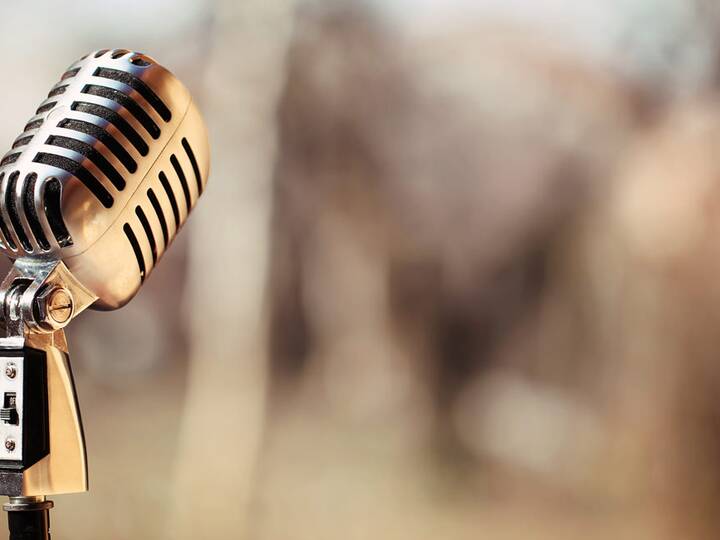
42, 446
28, 518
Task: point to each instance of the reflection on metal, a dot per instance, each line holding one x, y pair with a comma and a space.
44, 449
105, 173
63, 468
29, 294
92, 193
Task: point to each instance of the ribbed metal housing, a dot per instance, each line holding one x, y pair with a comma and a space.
105, 173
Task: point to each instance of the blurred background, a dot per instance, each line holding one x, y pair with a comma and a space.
455, 274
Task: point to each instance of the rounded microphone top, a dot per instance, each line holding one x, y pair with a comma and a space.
105, 173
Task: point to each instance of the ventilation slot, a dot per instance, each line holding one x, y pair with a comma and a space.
12, 158
139, 61
93, 155
119, 53
45, 108
53, 212
115, 119
80, 172
69, 73
57, 91
101, 52
171, 197
22, 141
103, 136
183, 181
139, 86
31, 211
160, 215
4, 226
136, 249
129, 103
12, 212
194, 163
33, 125
148, 231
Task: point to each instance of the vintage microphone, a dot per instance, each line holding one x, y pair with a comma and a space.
92, 193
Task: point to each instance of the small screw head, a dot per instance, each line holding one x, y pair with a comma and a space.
60, 306
53, 308
9, 445
10, 370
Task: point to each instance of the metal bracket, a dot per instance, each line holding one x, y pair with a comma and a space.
42, 447
41, 297
48, 454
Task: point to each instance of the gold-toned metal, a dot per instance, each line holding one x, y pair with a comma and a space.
40, 298
48, 287
64, 469
100, 255
91, 195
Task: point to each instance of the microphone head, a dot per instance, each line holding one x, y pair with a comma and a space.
105, 173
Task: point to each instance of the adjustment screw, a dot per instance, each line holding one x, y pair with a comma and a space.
53, 308
10, 370
60, 306
9, 445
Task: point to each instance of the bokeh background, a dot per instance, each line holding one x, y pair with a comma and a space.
455, 274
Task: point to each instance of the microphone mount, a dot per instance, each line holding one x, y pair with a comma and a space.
41, 297
42, 446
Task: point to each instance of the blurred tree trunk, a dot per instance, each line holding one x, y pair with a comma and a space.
223, 417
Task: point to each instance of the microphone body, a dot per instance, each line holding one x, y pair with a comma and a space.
105, 173
92, 193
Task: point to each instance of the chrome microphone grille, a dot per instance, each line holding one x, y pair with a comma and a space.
105, 173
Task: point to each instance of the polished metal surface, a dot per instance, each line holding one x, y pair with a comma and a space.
27, 504
122, 144
91, 195
28, 289
64, 469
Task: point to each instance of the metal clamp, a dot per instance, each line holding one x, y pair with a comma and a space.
42, 447
41, 297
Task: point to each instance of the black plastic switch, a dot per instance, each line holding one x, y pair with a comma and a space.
8, 413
